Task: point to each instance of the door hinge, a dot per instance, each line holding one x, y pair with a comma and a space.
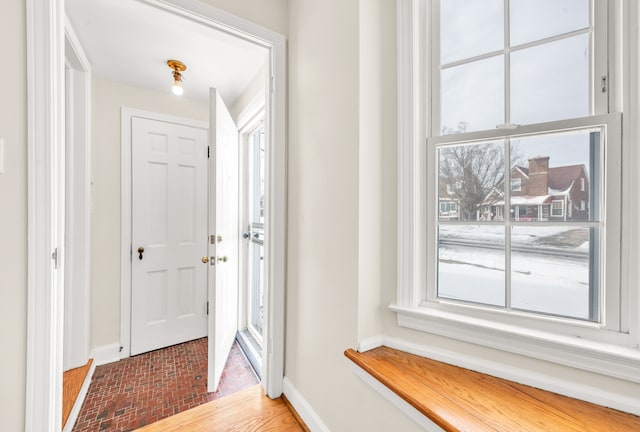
207, 308
208, 152
54, 257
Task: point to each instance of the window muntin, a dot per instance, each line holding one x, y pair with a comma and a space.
557, 208
602, 346
543, 259
540, 71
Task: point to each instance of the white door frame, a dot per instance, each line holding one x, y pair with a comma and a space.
45, 166
77, 314
45, 213
126, 183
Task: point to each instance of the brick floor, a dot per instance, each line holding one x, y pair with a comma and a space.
134, 392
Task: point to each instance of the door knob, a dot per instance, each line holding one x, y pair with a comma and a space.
205, 259
140, 252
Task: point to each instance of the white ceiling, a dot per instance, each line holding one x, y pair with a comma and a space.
129, 42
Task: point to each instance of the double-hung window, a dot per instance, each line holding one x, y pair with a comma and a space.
516, 120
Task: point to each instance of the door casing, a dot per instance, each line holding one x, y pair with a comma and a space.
45, 167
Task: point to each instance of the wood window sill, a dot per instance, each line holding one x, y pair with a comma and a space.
458, 399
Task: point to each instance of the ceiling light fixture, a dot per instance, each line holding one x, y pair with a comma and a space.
177, 67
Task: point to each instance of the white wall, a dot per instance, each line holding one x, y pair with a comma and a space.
341, 173
13, 217
108, 99
337, 139
254, 88
342, 182
377, 164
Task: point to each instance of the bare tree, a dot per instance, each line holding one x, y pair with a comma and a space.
471, 173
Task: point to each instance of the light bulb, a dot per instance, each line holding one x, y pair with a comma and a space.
177, 89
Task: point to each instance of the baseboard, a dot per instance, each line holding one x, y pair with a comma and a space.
304, 409
105, 354
582, 391
77, 405
370, 343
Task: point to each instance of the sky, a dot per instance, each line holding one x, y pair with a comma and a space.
548, 82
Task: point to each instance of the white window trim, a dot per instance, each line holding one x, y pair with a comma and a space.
614, 353
561, 208
518, 188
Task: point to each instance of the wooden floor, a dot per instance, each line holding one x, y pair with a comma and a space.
458, 399
72, 381
248, 410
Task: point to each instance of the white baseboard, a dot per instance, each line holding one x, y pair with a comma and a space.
304, 409
77, 406
106, 354
370, 343
583, 391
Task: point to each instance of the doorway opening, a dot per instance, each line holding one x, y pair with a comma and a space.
46, 149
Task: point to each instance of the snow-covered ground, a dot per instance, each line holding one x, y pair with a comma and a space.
540, 282
525, 235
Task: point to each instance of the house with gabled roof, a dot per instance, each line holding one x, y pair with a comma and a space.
543, 193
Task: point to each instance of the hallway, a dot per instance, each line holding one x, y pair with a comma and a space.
140, 390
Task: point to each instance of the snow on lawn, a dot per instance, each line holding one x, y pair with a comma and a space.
542, 283
522, 235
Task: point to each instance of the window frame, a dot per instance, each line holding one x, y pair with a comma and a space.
584, 345
518, 188
561, 214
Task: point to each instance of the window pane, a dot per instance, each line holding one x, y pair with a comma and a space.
550, 81
471, 264
533, 20
551, 271
472, 96
471, 177
557, 173
470, 28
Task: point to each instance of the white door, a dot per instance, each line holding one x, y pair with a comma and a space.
225, 236
169, 234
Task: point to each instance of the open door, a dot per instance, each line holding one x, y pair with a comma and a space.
224, 236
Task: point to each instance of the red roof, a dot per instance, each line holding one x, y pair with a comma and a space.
560, 178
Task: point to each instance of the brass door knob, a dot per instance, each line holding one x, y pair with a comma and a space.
205, 259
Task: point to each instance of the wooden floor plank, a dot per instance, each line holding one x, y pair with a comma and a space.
458, 399
247, 410
72, 381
